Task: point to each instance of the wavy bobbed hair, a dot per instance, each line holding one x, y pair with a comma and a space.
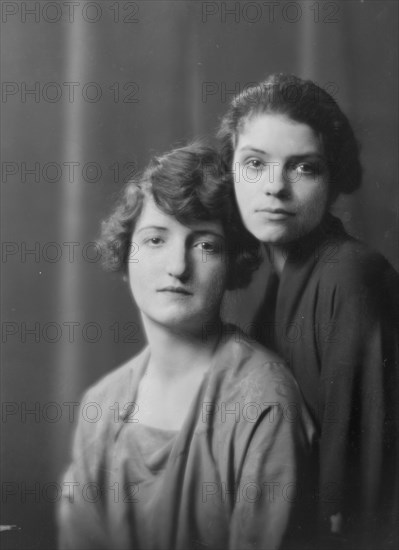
189, 184
302, 101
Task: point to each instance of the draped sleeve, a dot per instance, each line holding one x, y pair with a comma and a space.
79, 513
357, 327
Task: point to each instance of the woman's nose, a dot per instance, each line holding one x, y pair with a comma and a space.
177, 263
275, 180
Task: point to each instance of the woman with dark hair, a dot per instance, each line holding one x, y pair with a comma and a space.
331, 304
203, 440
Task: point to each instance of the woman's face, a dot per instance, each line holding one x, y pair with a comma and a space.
281, 178
178, 273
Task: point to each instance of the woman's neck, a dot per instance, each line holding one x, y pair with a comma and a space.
277, 256
303, 246
177, 353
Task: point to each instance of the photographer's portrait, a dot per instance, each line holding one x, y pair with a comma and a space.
200, 288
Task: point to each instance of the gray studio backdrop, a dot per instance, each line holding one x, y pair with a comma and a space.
90, 90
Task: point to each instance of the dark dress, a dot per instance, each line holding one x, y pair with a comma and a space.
333, 317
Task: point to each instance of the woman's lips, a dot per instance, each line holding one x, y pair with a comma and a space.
176, 290
275, 213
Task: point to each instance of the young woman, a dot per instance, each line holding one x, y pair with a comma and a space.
331, 304
202, 440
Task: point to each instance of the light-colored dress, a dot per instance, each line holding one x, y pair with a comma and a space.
236, 476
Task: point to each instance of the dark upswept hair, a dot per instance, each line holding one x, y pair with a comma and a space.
189, 184
302, 101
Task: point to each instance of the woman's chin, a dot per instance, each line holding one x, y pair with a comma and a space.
274, 236
176, 322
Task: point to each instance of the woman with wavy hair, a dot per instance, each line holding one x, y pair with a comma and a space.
203, 440
331, 304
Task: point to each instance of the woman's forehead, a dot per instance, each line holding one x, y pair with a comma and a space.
278, 133
152, 216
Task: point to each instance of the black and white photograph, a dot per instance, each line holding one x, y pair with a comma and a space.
199, 275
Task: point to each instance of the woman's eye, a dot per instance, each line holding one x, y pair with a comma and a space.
254, 163
154, 241
208, 247
307, 168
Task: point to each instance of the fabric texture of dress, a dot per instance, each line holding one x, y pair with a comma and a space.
333, 316
236, 476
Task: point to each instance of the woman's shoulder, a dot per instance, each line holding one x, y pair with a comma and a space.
353, 264
105, 404
253, 383
116, 384
252, 371
350, 274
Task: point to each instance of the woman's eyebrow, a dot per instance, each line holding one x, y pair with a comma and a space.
247, 148
156, 227
310, 154
215, 233
313, 154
